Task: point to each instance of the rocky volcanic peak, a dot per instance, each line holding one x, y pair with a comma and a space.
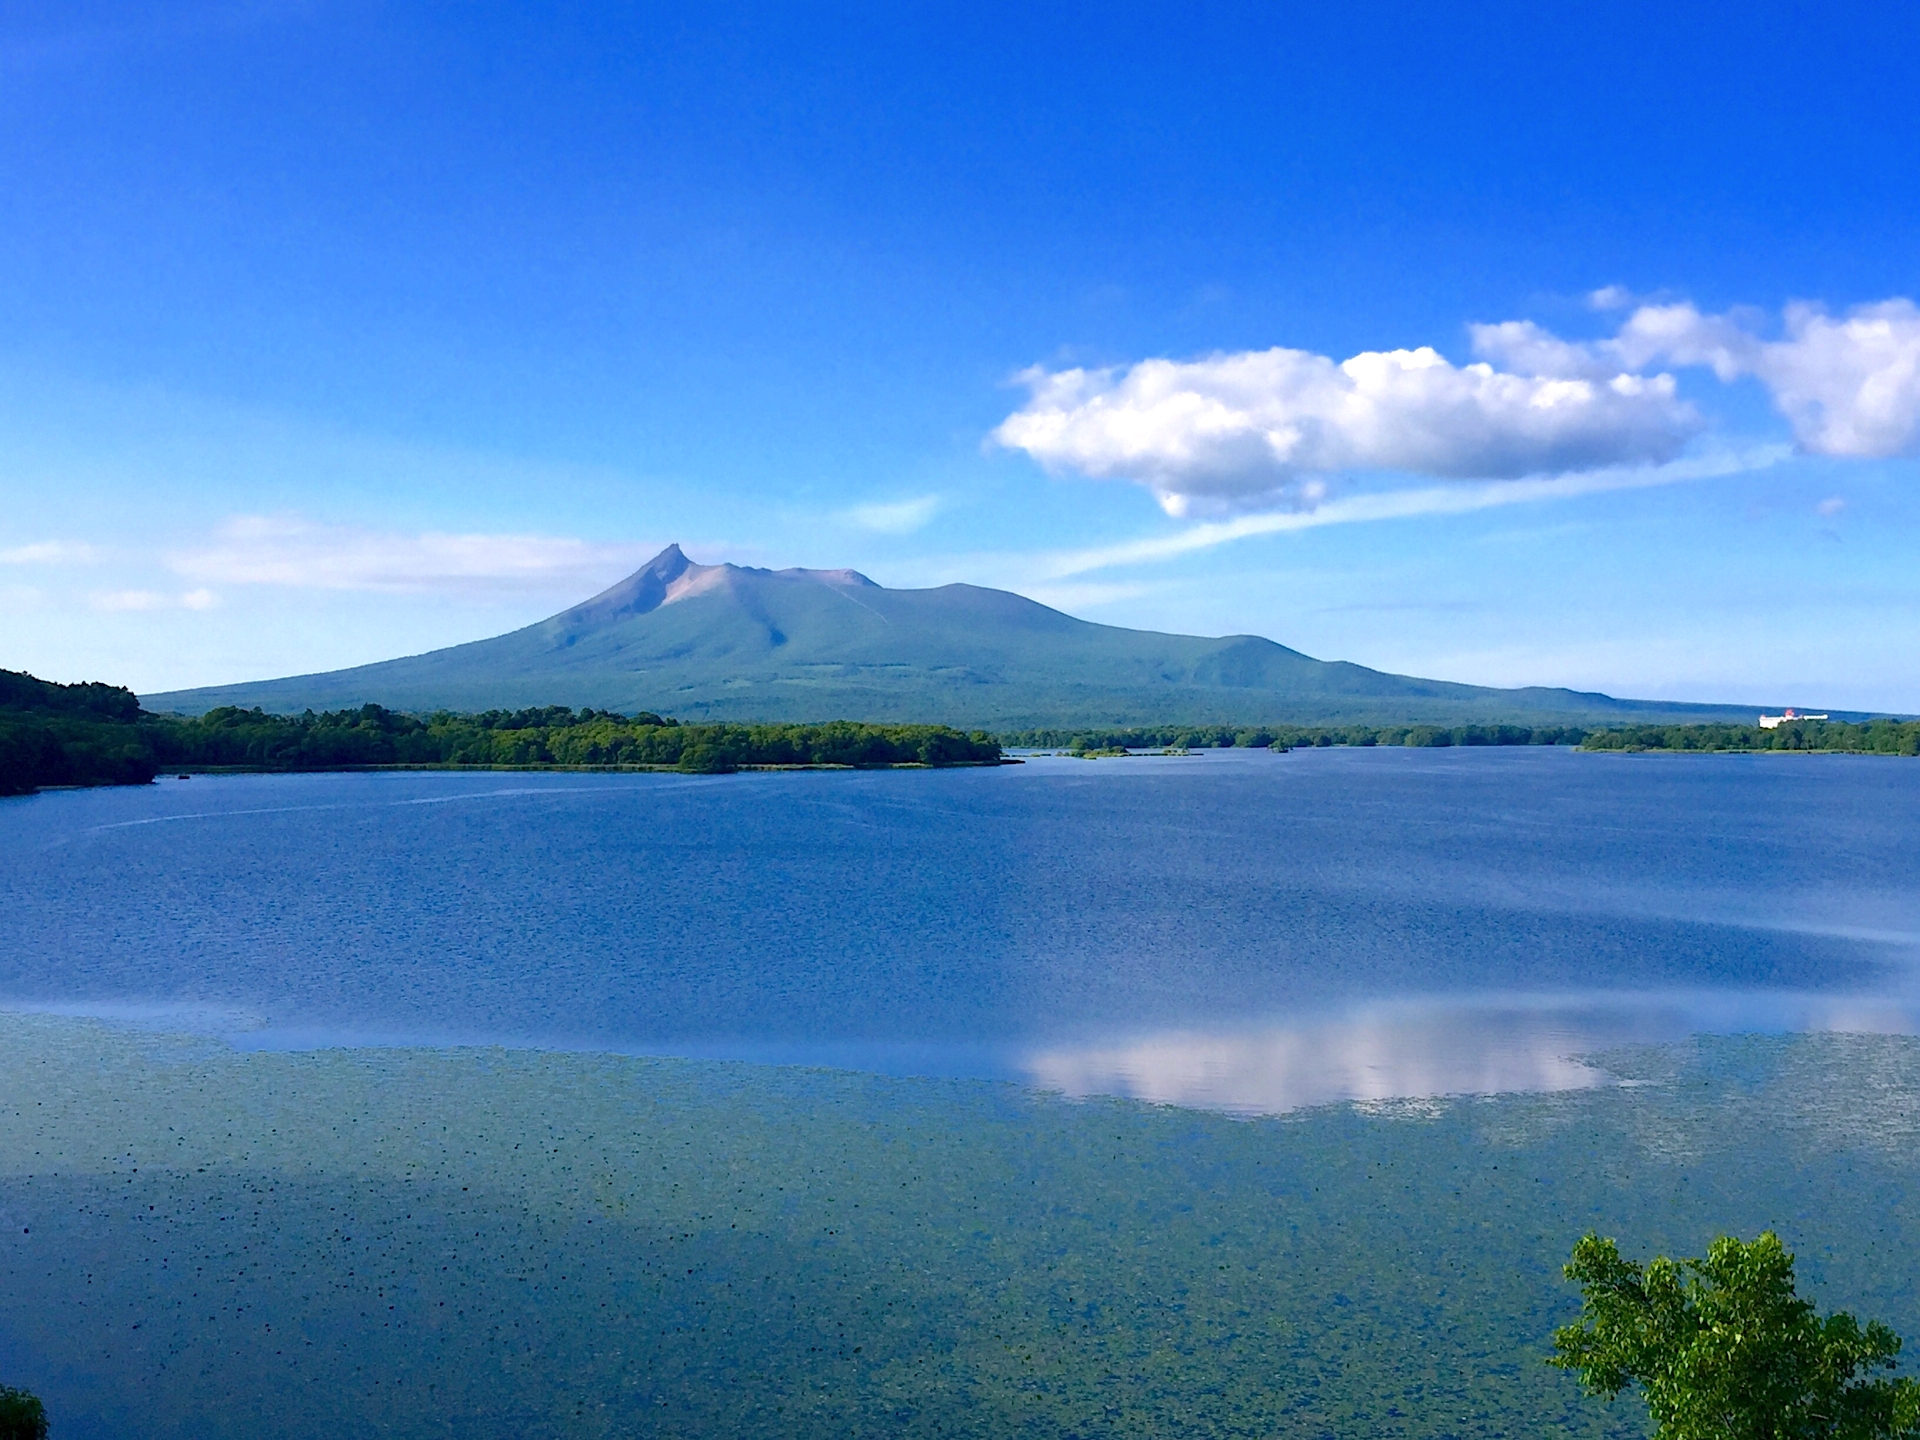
827, 577
671, 576
644, 590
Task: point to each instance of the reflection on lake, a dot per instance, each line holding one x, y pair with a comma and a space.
1241, 929
1412, 1049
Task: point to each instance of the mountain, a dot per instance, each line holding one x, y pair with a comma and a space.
726, 642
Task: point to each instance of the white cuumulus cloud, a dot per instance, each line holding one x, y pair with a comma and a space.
1848, 385
1265, 430
1260, 429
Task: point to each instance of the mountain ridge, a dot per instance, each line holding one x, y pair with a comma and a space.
731, 642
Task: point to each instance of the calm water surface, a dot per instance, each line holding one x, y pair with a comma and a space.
1241, 930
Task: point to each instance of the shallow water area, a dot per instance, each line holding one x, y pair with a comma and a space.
1234, 929
202, 1242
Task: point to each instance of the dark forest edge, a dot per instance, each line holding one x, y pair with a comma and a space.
98, 735
95, 734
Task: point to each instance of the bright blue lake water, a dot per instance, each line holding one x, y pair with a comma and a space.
1238, 929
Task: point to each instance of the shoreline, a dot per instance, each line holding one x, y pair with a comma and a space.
541, 766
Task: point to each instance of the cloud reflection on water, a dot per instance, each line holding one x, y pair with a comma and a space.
1433, 1047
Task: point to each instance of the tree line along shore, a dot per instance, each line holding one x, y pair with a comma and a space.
97, 734
1872, 737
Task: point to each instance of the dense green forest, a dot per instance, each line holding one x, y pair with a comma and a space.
69, 735
98, 735
1287, 737
1872, 737
555, 735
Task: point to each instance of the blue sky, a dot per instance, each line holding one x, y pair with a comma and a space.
336, 331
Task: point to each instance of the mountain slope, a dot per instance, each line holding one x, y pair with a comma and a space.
728, 642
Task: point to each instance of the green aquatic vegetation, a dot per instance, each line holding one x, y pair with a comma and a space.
1723, 1348
433, 1242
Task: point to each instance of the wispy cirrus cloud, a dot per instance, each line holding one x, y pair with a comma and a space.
899, 517
50, 552
289, 551
153, 600
1033, 572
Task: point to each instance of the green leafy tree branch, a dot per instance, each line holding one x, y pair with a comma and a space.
1723, 1349
22, 1416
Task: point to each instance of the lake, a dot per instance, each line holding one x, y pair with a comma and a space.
1237, 929
1237, 1095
